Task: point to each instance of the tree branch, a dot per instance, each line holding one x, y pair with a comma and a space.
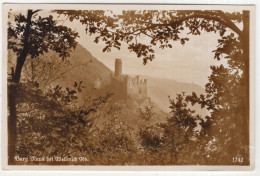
36, 11
219, 17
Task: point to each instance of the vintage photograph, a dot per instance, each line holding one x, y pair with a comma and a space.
128, 85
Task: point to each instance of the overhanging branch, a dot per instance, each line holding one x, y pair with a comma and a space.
218, 16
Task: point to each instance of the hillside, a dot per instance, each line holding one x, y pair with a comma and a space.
50, 69
87, 69
82, 66
159, 90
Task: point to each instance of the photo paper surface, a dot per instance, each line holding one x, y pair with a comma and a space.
128, 87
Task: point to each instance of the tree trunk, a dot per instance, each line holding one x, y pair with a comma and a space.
12, 132
13, 90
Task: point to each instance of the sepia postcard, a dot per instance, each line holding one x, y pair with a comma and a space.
128, 87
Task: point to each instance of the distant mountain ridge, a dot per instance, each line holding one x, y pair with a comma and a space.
159, 89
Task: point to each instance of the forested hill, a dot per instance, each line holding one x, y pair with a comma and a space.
86, 68
49, 69
82, 66
89, 72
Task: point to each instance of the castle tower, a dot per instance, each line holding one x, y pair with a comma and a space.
118, 68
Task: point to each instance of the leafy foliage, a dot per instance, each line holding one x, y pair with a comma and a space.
160, 27
114, 143
44, 34
147, 113
51, 124
225, 99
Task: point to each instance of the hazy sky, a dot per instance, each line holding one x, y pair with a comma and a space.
189, 63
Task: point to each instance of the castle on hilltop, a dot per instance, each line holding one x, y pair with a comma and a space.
126, 86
